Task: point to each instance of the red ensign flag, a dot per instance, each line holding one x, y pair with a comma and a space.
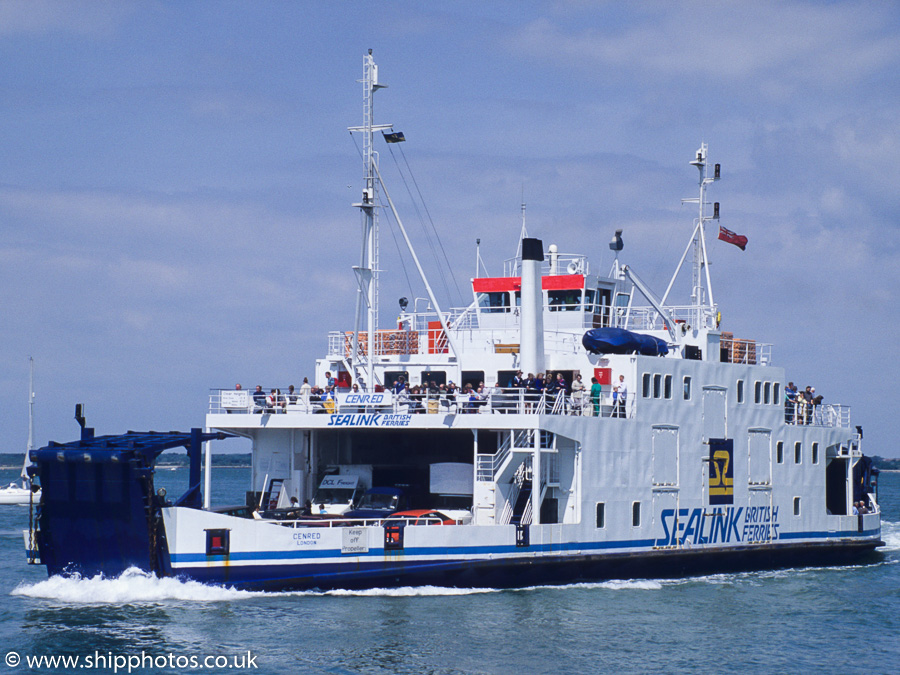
738, 240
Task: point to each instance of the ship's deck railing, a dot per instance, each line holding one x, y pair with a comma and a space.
510, 400
311, 521
566, 263
822, 415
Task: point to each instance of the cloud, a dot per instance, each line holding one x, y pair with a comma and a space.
85, 17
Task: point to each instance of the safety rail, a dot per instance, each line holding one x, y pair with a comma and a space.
499, 400
355, 522
823, 415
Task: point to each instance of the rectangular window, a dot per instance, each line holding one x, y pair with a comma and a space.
645, 385
601, 515
475, 378
779, 452
798, 449
668, 386
776, 388
687, 387
492, 303
740, 391
767, 392
436, 376
796, 506
757, 389
815, 453
657, 385
636, 514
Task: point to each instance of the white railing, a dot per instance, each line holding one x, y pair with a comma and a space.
824, 415
488, 465
508, 400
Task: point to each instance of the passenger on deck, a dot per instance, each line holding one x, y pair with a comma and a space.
577, 395
817, 406
399, 385
620, 397
790, 403
291, 397
355, 388
329, 380
271, 401
807, 397
259, 399
517, 380
596, 392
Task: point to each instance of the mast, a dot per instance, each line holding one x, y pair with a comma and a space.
367, 271
30, 446
701, 296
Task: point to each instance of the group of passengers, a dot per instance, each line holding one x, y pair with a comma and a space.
801, 407
860, 508
544, 392
277, 401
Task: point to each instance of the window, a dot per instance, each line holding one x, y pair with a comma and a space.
564, 301
436, 376
798, 449
657, 385
636, 514
601, 515
391, 376
815, 453
776, 388
767, 393
668, 386
475, 378
757, 389
740, 391
645, 385
796, 506
590, 301
494, 302
779, 452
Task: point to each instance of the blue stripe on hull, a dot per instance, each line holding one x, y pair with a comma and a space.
532, 571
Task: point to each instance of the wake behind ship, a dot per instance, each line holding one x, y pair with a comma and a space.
567, 425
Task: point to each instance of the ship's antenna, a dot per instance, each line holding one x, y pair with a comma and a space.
367, 271
698, 240
524, 233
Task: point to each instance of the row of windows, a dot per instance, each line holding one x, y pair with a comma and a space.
798, 453
655, 385
763, 392
636, 513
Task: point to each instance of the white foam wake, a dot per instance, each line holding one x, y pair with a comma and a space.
890, 535
132, 586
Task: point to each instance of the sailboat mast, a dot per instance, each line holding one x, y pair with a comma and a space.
30, 445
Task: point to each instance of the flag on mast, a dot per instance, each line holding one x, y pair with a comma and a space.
738, 240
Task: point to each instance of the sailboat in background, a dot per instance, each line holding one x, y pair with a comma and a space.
21, 493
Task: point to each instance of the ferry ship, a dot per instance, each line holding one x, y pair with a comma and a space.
658, 445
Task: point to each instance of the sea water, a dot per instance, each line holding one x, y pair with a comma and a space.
831, 620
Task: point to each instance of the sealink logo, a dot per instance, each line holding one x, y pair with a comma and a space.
718, 526
369, 420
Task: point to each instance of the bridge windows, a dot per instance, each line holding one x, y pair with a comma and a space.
757, 392
493, 302
568, 300
767, 392
667, 390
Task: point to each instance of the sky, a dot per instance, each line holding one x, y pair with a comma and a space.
176, 181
